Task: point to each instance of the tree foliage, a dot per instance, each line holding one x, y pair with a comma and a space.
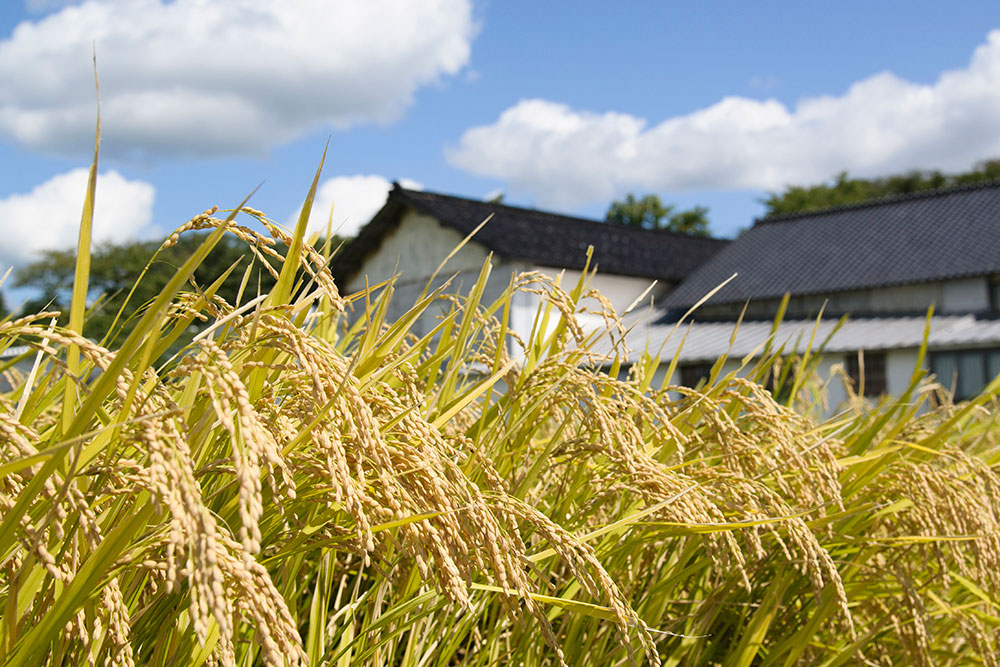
651, 213
846, 190
115, 269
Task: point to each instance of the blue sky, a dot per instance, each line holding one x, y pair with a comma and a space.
561, 105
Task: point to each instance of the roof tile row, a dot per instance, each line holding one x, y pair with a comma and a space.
902, 240
540, 237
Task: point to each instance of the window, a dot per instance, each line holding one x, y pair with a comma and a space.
966, 372
873, 364
692, 374
995, 295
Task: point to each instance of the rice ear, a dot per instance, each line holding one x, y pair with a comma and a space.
288, 491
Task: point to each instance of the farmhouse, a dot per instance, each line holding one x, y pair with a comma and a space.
416, 230
883, 264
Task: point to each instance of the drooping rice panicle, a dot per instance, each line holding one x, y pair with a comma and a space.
289, 490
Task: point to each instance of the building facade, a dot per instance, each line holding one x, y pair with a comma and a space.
881, 264
415, 231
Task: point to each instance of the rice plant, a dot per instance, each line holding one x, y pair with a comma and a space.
310, 483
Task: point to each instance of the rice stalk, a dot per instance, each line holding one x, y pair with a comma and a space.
307, 484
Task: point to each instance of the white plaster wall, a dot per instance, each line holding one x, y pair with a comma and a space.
415, 248
621, 291
419, 243
405, 295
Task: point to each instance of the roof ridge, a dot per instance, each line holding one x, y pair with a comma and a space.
881, 201
398, 189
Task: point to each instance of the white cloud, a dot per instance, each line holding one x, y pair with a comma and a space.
209, 78
355, 199
882, 124
48, 217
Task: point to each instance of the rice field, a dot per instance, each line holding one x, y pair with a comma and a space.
298, 486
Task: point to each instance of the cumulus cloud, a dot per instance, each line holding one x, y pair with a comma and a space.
882, 124
48, 217
354, 199
207, 78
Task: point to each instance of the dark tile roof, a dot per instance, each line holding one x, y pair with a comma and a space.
915, 238
546, 239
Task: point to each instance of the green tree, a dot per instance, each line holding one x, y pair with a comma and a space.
651, 213
845, 190
116, 268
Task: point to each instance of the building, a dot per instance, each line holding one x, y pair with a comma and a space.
883, 264
416, 230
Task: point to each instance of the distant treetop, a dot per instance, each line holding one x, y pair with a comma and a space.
651, 213
845, 190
